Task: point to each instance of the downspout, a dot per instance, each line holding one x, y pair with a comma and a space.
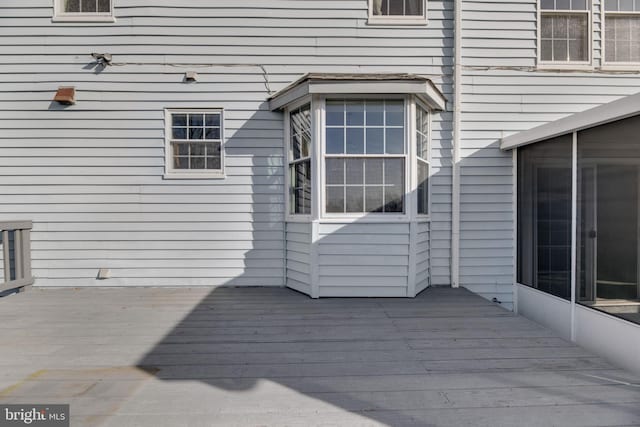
455, 172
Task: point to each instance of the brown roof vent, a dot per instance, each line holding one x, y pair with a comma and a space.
65, 95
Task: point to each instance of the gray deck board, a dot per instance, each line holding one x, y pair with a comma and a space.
247, 357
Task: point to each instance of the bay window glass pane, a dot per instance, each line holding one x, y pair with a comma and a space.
300, 177
355, 199
355, 141
335, 199
544, 216
394, 141
335, 171
423, 188
375, 141
88, 5
394, 113
355, 113
354, 171
375, 113
608, 219
373, 198
374, 171
335, 113
335, 141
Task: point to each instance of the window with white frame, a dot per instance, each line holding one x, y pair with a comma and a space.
300, 160
413, 8
564, 31
622, 31
422, 159
84, 9
365, 156
194, 142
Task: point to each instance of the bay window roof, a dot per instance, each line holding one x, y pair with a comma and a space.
340, 83
613, 111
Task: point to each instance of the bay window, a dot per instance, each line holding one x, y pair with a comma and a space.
365, 156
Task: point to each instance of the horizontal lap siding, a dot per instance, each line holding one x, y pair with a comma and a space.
90, 175
360, 259
298, 241
503, 94
422, 256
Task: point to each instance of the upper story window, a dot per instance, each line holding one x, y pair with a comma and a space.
564, 31
398, 11
622, 31
194, 147
365, 156
84, 10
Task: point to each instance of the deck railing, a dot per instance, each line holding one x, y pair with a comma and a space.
16, 254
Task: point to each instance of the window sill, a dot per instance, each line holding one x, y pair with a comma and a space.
631, 67
565, 66
177, 175
395, 20
84, 18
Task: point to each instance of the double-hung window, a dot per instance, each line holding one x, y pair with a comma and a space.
365, 156
622, 32
564, 31
194, 145
398, 11
300, 160
83, 10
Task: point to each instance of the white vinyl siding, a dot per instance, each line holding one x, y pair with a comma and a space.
502, 95
298, 241
90, 176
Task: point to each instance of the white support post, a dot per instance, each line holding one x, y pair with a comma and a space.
574, 232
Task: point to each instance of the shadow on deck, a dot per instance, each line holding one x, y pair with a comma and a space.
271, 356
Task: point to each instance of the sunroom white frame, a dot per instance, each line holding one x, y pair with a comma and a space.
610, 336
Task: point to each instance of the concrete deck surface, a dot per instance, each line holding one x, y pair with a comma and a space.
273, 357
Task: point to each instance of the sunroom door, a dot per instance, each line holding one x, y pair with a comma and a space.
608, 233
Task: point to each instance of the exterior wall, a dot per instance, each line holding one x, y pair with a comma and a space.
90, 175
298, 241
422, 256
362, 259
503, 93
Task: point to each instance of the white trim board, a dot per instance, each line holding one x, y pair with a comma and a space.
617, 110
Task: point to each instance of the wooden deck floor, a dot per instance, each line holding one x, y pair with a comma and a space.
273, 357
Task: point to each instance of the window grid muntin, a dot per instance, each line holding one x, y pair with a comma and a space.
366, 156
299, 196
101, 7
389, 8
196, 144
611, 43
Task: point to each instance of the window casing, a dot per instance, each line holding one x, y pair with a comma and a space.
398, 11
194, 143
83, 10
565, 32
365, 156
299, 154
621, 32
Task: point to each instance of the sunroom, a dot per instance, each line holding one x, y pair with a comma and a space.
578, 227
358, 161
